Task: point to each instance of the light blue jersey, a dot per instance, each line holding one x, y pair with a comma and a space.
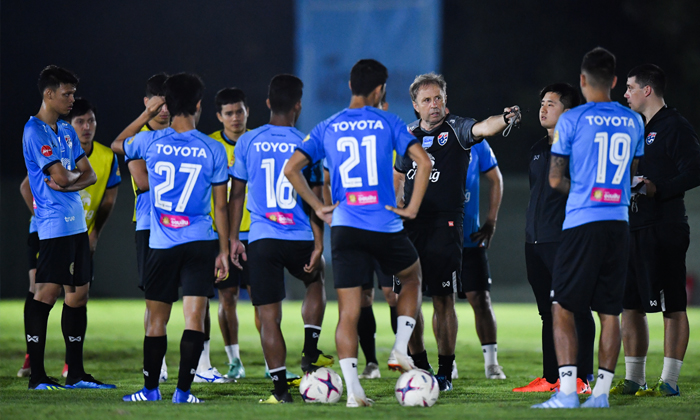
358, 146
182, 167
275, 210
56, 213
482, 161
600, 139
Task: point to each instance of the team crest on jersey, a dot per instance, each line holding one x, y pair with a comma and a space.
650, 138
68, 141
428, 141
46, 151
442, 138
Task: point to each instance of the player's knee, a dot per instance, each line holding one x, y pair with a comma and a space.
367, 298
228, 297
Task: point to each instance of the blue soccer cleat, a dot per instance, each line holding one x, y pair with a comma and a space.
144, 395
182, 397
443, 383
601, 401
660, 389
87, 382
46, 384
560, 400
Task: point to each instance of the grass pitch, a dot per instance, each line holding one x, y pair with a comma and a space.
113, 354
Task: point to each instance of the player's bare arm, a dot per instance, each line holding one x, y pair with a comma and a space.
138, 170
399, 180
26, 192
153, 106
423, 168
293, 173
103, 212
488, 228
235, 215
557, 174
327, 195
495, 124
317, 228
222, 227
61, 179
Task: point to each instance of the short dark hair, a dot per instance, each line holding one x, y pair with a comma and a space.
53, 76
81, 106
284, 92
182, 93
568, 95
227, 96
599, 66
650, 75
154, 85
366, 75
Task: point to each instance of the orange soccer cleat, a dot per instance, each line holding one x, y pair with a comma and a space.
582, 387
538, 385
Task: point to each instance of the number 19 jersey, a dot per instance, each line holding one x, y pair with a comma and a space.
358, 146
601, 139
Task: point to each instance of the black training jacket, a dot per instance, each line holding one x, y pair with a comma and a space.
547, 207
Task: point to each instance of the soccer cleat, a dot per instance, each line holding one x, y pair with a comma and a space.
582, 387
143, 395
371, 371
211, 376
455, 373
87, 382
46, 384
358, 400
64, 372
560, 400
235, 369
277, 399
400, 361
310, 364
444, 383
626, 387
182, 397
601, 401
538, 385
661, 389
494, 372
26, 370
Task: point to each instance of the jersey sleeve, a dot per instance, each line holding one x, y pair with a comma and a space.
312, 145
239, 170
487, 159
114, 175
639, 150
220, 175
39, 149
133, 148
563, 136
463, 126
403, 137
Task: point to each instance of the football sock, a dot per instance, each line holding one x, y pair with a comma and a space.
154, 349
35, 330
585, 331
603, 382
311, 335
27, 304
404, 329
421, 360
191, 346
279, 380
671, 371
349, 369
393, 314
204, 361
74, 324
445, 365
635, 369
367, 330
550, 368
232, 352
567, 377
490, 354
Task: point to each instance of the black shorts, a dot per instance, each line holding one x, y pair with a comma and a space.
190, 265
591, 266
268, 259
440, 252
383, 280
236, 277
656, 273
476, 274
33, 249
355, 252
142, 251
65, 260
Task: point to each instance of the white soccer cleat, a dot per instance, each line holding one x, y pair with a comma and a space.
358, 399
495, 372
400, 361
371, 371
211, 376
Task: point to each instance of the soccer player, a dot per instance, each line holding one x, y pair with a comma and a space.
358, 145
599, 144
57, 170
281, 234
659, 235
544, 217
184, 166
437, 230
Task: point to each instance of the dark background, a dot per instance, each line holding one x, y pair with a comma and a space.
494, 54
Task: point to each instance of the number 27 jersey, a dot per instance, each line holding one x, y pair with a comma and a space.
601, 139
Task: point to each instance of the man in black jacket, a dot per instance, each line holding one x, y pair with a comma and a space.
659, 235
545, 215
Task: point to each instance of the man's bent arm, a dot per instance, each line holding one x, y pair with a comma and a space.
557, 174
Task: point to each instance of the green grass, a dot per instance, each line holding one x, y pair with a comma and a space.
113, 353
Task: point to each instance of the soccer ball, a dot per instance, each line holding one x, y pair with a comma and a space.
417, 388
321, 386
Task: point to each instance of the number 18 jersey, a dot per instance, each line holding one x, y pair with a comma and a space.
358, 146
601, 139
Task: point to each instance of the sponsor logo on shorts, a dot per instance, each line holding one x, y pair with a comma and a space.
46, 151
428, 141
442, 138
281, 218
650, 138
362, 198
71, 268
446, 283
175, 222
653, 303
606, 195
450, 223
